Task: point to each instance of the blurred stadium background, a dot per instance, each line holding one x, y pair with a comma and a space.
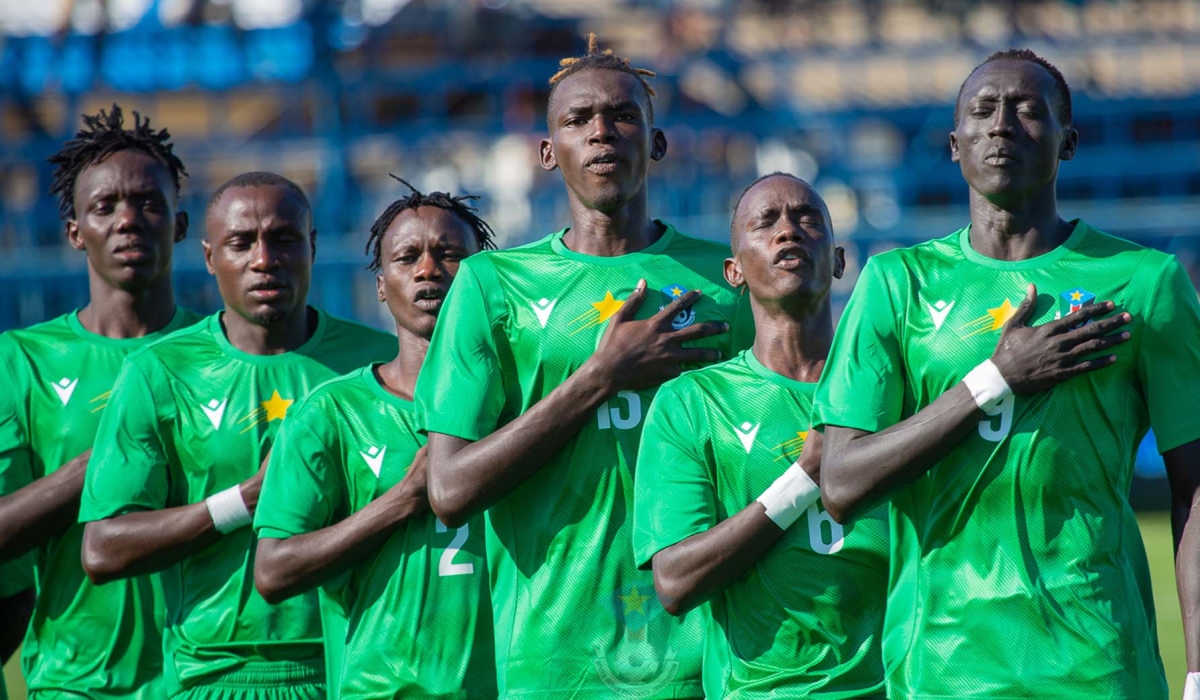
856, 96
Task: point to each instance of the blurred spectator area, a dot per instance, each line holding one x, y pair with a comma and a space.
855, 96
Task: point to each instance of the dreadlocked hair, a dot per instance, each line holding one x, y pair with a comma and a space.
460, 206
102, 135
603, 60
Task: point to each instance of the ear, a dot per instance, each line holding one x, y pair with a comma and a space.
546, 155
312, 241
839, 262
73, 235
1069, 144
208, 255
181, 226
658, 145
733, 273
953, 146
379, 290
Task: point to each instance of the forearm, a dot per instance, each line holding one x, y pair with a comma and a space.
15, 611
465, 478
1185, 523
859, 469
287, 567
32, 515
693, 571
142, 543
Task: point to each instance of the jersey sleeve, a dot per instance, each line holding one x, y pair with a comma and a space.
302, 490
1170, 353
674, 496
128, 469
16, 454
460, 391
862, 386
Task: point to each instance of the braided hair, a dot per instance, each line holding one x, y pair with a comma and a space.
602, 60
102, 135
460, 206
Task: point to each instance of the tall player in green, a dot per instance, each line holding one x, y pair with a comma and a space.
533, 395
174, 475
1004, 431
798, 607
118, 190
345, 490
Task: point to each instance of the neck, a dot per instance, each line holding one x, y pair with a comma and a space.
284, 335
1018, 231
626, 229
399, 377
795, 341
119, 313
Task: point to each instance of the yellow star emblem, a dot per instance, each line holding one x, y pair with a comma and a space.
634, 601
791, 449
607, 306
676, 292
1076, 295
276, 406
993, 320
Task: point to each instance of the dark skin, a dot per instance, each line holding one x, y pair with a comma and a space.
1009, 141
778, 219
127, 223
15, 611
595, 114
260, 248
421, 252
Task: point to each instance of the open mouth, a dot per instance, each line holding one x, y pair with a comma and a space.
604, 163
429, 298
269, 290
791, 257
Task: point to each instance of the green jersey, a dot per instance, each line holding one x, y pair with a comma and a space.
574, 616
425, 590
191, 416
1017, 566
101, 640
806, 621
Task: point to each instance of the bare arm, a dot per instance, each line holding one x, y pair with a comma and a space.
34, 514
142, 543
287, 567
15, 611
466, 477
860, 468
691, 572
1183, 473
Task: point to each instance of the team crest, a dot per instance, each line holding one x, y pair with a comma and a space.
684, 318
641, 664
1074, 300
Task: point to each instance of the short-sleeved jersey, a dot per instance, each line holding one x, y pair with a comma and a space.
1017, 567
101, 640
420, 624
574, 616
191, 415
807, 620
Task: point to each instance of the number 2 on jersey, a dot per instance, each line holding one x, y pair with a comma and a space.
446, 565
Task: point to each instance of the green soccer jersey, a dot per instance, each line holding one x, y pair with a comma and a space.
420, 624
807, 620
101, 640
190, 416
574, 616
1017, 566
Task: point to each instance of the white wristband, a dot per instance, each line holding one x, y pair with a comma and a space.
1191, 689
228, 510
987, 385
789, 496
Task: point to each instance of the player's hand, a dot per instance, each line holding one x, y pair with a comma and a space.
1035, 358
413, 489
642, 354
252, 487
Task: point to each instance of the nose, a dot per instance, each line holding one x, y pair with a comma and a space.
603, 130
1003, 121
266, 256
429, 267
128, 217
786, 230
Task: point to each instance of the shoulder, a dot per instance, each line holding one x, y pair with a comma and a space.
22, 339
707, 381
328, 395
898, 261
357, 332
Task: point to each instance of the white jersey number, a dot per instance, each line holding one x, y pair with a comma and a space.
608, 416
818, 521
996, 430
446, 565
